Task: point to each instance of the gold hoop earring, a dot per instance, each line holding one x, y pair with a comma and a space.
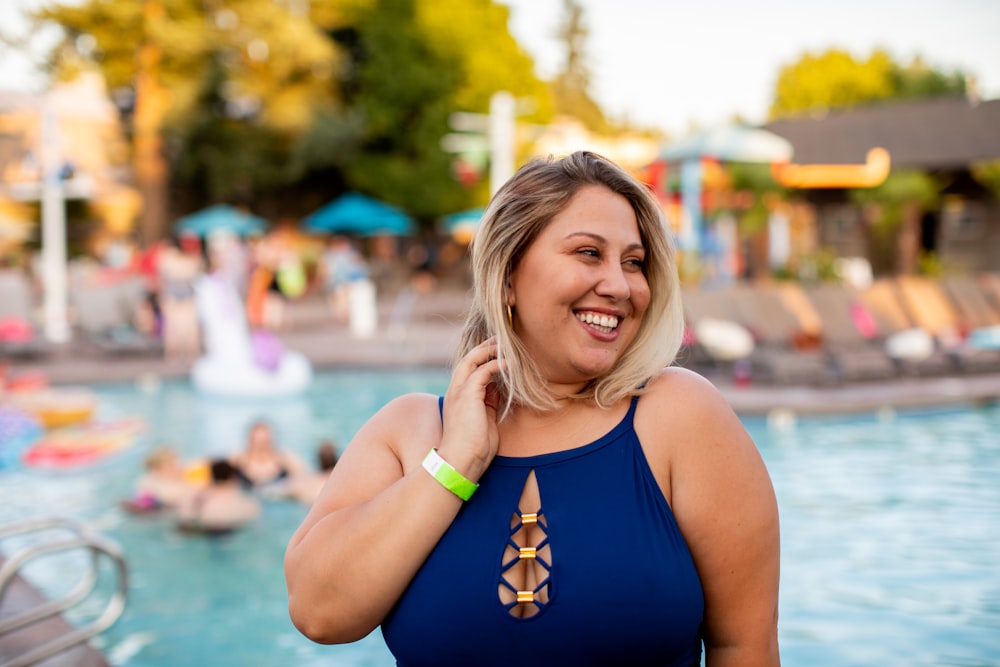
510, 316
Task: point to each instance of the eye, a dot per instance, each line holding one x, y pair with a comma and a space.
589, 252
635, 263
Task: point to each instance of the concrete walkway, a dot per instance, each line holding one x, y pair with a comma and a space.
424, 333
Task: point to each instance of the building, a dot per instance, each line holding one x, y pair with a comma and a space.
946, 138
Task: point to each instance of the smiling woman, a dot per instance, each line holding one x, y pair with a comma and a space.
563, 445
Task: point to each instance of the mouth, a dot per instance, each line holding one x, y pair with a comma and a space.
600, 321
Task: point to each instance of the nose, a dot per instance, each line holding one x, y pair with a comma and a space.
613, 282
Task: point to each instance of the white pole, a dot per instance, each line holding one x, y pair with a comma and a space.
502, 129
53, 235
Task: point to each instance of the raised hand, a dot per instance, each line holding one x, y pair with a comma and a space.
470, 437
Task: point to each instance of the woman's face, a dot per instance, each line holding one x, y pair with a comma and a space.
261, 440
579, 293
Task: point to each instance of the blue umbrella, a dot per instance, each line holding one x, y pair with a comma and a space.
221, 217
354, 213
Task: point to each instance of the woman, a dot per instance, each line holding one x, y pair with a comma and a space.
221, 507
262, 462
622, 513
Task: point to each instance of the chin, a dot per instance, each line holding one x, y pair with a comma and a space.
593, 371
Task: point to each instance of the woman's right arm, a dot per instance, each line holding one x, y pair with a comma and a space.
380, 514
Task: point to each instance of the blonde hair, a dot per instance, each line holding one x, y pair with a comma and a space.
160, 456
516, 215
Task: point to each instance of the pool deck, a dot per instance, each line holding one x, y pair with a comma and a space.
426, 335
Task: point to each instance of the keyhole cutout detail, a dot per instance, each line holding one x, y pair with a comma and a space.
526, 566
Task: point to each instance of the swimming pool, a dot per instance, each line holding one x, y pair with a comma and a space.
890, 532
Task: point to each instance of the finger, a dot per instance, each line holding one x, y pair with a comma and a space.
476, 357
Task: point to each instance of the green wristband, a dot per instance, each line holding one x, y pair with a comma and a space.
447, 476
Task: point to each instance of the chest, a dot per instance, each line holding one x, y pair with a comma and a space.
579, 546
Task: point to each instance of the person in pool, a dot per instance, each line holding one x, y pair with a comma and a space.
221, 507
572, 499
261, 462
164, 484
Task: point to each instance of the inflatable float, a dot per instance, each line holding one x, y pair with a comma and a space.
237, 362
56, 407
82, 444
18, 430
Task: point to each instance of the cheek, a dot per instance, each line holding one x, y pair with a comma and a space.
640, 296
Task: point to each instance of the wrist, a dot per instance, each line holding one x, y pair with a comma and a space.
447, 476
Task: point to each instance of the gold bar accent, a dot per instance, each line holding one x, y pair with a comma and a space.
529, 518
527, 552
525, 596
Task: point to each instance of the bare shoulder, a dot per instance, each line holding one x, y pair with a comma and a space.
691, 404
685, 424
721, 496
388, 445
404, 425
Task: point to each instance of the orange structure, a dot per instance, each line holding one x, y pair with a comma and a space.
868, 175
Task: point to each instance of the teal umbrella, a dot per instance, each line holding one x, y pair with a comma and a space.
355, 213
463, 225
221, 217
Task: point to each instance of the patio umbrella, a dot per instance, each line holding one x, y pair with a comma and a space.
463, 225
221, 217
355, 213
731, 143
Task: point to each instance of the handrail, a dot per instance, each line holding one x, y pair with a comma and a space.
83, 538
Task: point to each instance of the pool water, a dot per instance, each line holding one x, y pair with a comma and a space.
890, 532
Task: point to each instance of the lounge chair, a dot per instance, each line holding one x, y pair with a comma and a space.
715, 339
931, 308
989, 283
786, 353
19, 326
971, 301
980, 316
855, 355
104, 314
881, 299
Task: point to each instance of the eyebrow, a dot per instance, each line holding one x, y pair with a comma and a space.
600, 239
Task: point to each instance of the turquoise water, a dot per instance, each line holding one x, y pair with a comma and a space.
890, 532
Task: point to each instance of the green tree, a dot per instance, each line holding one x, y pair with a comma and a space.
473, 34
416, 63
834, 79
571, 88
987, 174
272, 99
258, 62
403, 89
892, 213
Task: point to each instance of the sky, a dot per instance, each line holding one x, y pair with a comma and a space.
675, 65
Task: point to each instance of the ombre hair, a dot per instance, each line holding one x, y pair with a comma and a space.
516, 215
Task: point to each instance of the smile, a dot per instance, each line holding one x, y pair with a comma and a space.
603, 323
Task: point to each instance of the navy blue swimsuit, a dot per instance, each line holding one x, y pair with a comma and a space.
618, 584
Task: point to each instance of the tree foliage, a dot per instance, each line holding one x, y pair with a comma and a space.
987, 174
403, 92
834, 79
264, 96
571, 88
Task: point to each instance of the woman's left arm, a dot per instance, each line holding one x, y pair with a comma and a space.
724, 503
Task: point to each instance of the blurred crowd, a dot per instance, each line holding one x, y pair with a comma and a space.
219, 495
124, 294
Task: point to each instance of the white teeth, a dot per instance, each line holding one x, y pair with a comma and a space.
605, 323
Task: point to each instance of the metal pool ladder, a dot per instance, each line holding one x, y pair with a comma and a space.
79, 538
